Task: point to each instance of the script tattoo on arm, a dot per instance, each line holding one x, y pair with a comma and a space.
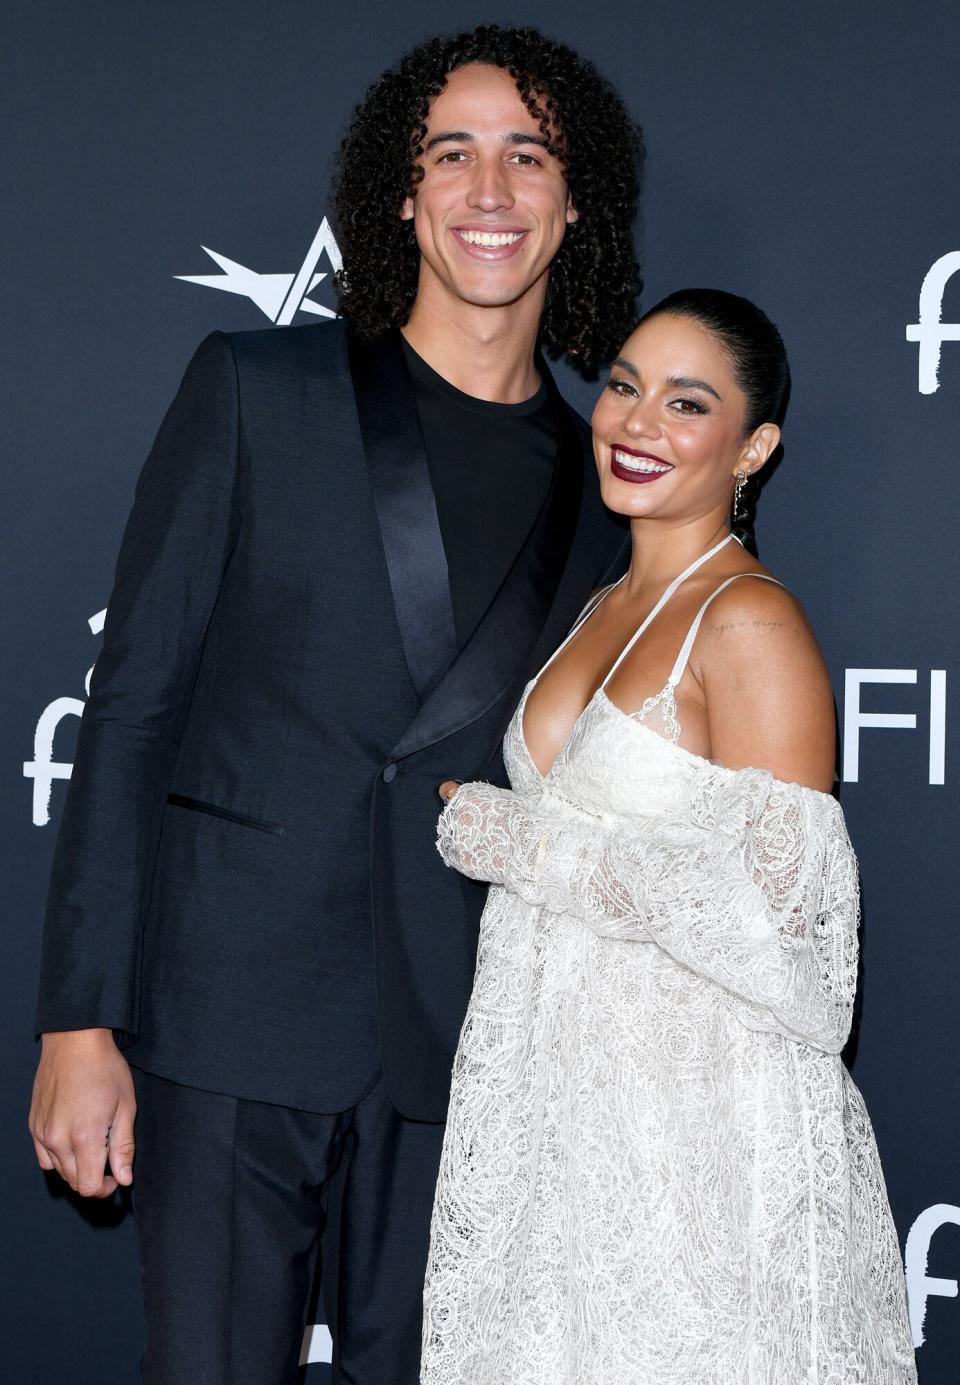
719, 629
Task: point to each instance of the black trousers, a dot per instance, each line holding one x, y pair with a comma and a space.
231, 1200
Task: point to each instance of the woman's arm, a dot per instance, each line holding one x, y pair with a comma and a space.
758, 669
755, 889
753, 885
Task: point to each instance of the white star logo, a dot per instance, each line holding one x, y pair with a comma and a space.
279, 296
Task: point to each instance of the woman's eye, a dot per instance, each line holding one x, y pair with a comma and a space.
688, 406
622, 387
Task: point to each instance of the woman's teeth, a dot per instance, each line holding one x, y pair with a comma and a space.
626, 459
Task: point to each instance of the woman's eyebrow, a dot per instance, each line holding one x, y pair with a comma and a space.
690, 382
624, 364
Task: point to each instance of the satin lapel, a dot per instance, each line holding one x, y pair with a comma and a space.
543, 592
599, 553
406, 508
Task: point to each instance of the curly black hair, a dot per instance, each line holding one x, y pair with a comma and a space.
594, 279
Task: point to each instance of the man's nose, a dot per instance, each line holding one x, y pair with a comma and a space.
490, 189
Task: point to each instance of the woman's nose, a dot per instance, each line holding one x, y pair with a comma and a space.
642, 422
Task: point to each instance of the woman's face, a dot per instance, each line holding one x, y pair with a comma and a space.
668, 428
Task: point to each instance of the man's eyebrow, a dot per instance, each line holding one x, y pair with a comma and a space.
451, 136
516, 137
690, 382
464, 137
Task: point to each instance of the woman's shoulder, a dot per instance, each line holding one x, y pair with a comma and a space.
754, 599
766, 685
753, 618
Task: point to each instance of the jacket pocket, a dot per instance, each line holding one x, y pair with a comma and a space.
196, 805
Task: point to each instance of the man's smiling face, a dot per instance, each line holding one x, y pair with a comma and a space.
493, 205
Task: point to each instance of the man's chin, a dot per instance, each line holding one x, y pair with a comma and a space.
492, 295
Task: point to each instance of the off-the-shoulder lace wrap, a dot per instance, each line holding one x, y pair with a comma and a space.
753, 885
656, 1169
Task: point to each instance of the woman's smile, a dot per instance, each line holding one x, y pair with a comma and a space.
638, 467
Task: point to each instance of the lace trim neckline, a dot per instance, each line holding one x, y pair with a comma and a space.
693, 759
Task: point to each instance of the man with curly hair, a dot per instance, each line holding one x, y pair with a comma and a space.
350, 546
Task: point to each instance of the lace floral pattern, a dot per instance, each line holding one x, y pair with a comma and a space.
656, 1169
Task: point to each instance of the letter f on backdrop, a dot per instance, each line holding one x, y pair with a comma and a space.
930, 332
921, 1285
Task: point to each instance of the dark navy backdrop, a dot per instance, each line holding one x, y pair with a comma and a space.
805, 155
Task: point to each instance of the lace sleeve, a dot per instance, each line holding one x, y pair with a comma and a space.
754, 887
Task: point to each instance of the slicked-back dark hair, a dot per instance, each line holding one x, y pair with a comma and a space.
752, 344
594, 278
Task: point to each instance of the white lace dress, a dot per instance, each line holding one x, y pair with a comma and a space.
656, 1169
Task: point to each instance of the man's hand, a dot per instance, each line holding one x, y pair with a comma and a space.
83, 1109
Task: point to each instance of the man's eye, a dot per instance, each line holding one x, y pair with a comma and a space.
452, 156
527, 160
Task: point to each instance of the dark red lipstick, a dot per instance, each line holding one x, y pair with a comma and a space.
641, 466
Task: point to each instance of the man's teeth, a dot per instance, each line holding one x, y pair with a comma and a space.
638, 463
492, 239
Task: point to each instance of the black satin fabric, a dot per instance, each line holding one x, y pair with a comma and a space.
491, 466
406, 510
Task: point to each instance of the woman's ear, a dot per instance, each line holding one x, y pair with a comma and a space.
759, 447
572, 214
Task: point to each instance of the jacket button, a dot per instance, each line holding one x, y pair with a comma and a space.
389, 774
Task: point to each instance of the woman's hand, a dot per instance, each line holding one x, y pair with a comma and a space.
476, 830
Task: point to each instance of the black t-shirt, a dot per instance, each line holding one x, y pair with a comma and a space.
490, 466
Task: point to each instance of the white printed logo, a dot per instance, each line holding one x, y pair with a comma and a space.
920, 1285
43, 769
279, 296
930, 332
855, 719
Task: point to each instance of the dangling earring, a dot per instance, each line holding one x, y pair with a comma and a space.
741, 478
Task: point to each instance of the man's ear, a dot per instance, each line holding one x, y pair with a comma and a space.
572, 214
406, 211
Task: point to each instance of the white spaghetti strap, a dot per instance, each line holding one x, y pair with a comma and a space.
687, 572
594, 602
597, 599
687, 645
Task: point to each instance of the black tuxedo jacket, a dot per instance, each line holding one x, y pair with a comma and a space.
245, 886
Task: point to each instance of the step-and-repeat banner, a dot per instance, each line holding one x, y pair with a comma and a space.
167, 173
